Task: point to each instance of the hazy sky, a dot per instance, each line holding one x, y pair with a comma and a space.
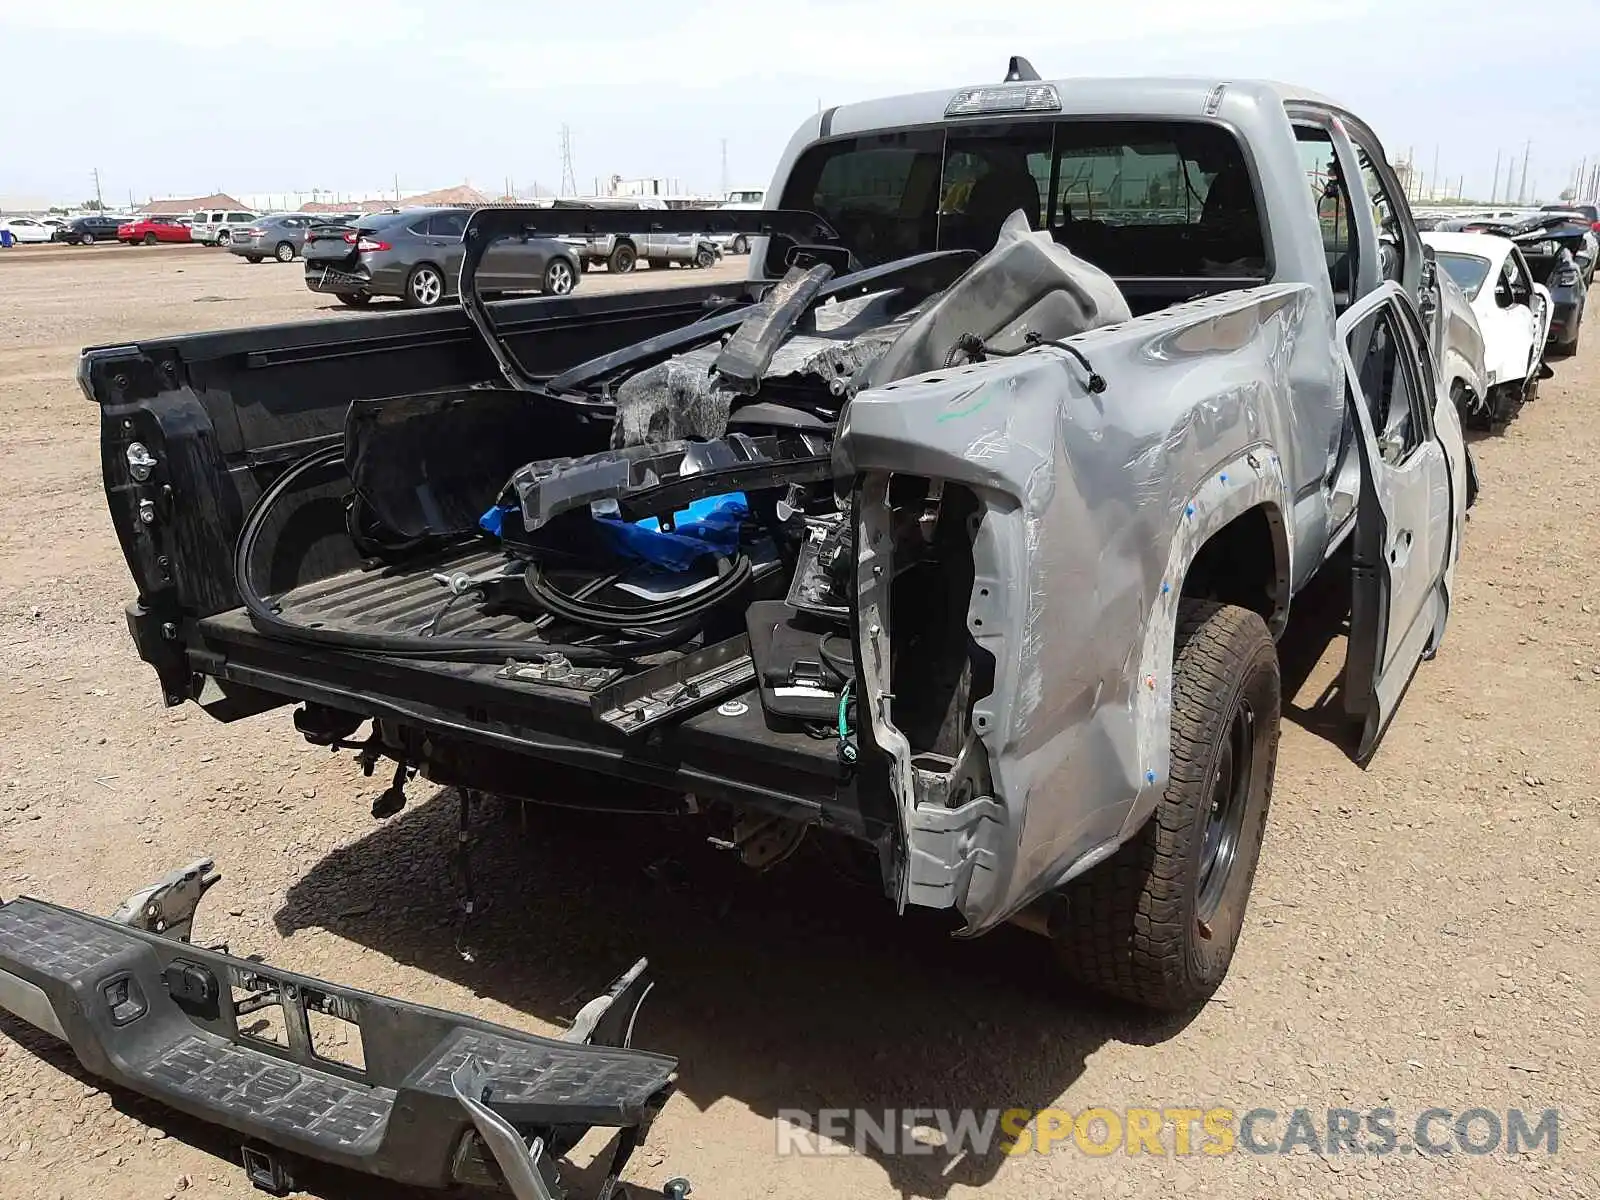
180, 98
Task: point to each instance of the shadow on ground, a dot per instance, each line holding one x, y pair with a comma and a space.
797, 989
1311, 655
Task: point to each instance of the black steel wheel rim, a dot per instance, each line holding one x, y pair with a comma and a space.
1229, 799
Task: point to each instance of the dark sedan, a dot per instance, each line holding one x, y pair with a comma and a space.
416, 255
1569, 294
86, 231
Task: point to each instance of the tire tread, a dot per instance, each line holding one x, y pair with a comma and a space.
1123, 929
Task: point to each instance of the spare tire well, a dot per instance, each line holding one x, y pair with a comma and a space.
1246, 563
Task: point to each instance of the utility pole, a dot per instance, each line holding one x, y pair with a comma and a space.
569, 184
1494, 189
724, 168
1522, 188
1435, 174
100, 201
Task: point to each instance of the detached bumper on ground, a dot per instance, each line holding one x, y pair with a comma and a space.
432, 1099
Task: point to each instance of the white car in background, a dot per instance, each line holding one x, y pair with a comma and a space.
740, 198
27, 229
216, 226
1513, 312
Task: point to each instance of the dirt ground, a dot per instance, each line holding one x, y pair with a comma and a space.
1422, 932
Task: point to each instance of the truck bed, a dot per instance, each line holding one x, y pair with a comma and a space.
735, 756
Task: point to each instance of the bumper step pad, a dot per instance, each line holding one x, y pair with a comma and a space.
161, 1017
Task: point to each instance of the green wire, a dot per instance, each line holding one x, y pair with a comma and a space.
847, 750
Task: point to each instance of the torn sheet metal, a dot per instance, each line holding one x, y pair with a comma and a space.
1027, 287
1094, 505
684, 397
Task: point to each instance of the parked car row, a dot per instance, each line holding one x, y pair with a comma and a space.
415, 254
620, 253
1527, 283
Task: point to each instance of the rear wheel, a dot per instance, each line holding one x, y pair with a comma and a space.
741, 245
285, 252
86, 240
355, 299
224, 237
149, 239
623, 258
560, 277
1156, 924
704, 258
424, 286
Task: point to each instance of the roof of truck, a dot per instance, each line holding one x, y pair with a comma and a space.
1132, 96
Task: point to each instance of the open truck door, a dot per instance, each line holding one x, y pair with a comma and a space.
1406, 533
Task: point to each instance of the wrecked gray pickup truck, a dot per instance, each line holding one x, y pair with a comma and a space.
962, 531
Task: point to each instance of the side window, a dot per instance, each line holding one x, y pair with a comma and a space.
447, 225
1393, 383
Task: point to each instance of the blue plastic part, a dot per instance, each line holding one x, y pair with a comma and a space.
493, 521
708, 526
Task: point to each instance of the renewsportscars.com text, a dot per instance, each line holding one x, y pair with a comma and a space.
1167, 1132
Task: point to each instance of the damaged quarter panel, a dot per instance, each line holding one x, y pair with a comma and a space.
1091, 508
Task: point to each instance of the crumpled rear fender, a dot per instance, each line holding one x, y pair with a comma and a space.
1092, 508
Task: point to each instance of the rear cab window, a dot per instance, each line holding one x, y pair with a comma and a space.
1146, 199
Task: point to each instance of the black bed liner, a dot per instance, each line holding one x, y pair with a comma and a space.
726, 753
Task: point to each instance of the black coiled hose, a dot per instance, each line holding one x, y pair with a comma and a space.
619, 617
460, 649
